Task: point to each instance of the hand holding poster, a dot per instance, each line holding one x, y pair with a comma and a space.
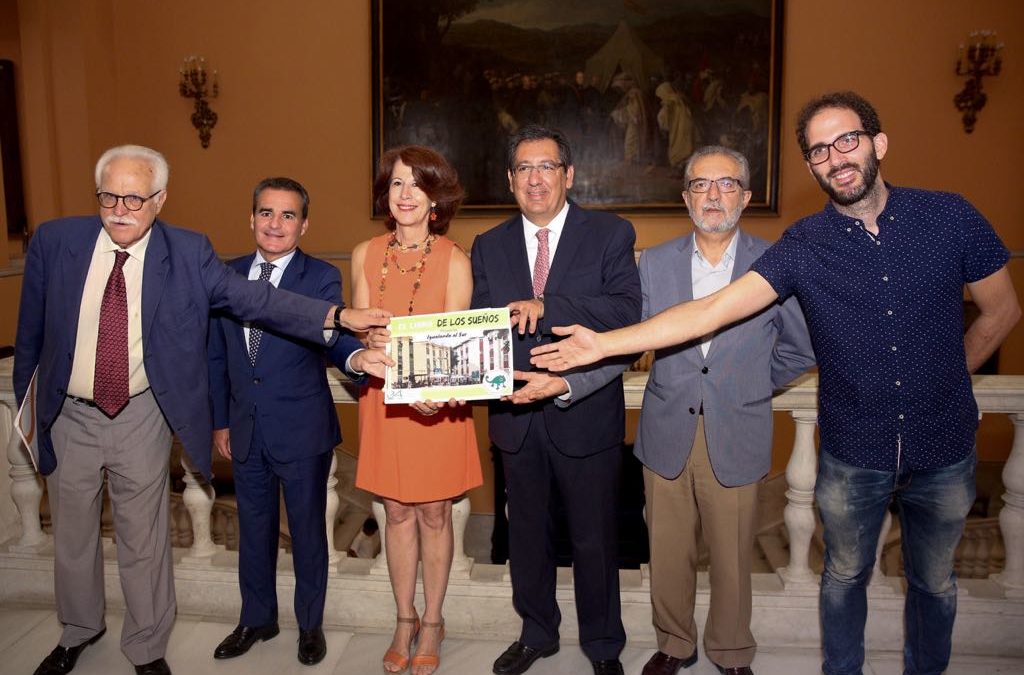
461, 355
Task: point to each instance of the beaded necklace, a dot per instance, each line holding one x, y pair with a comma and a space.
391, 257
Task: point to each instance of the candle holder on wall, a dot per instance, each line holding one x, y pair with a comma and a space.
981, 58
193, 84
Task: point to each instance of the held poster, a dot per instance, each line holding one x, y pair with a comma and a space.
462, 355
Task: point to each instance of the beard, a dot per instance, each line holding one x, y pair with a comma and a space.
728, 222
852, 195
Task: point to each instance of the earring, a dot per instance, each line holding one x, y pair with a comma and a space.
433, 213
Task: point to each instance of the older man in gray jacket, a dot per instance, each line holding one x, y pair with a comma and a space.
705, 430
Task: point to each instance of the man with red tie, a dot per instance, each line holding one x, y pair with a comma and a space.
552, 262
114, 314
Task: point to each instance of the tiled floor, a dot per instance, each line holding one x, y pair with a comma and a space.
27, 634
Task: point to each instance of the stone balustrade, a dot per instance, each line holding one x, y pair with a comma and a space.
1003, 394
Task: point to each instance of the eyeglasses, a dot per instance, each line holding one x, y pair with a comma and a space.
725, 184
848, 142
546, 169
108, 200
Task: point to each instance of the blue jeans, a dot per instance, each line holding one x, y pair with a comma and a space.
933, 506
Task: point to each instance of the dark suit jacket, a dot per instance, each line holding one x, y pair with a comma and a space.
182, 280
744, 364
287, 389
593, 282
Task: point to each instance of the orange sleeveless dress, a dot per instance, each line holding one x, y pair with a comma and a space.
403, 455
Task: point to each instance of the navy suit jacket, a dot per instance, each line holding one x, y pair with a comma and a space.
287, 390
182, 280
593, 282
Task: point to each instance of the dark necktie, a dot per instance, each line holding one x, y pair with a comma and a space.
541, 265
110, 386
255, 334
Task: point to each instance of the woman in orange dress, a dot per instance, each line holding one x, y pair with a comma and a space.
419, 457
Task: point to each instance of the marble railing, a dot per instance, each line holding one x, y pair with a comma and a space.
1003, 394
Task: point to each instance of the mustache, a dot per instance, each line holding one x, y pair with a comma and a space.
843, 167
122, 220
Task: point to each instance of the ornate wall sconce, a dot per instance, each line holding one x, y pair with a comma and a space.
193, 85
982, 58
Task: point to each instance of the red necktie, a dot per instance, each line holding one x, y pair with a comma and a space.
110, 389
540, 267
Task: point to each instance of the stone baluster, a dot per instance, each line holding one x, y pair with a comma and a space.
26, 487
801, 473
198, 499
1011, 517
462, 564
333, 504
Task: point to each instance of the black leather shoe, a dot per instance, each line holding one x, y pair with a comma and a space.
518, 658
312, 646
242, 639
741, 670
663, 664
62, 659
608, 667
158, 667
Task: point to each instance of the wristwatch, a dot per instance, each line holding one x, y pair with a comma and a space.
337, 317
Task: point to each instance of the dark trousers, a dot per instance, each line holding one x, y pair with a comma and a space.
258, 482
589, 489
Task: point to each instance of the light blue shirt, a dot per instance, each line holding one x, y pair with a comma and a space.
708, 278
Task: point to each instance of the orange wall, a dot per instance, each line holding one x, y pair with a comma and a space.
295, 100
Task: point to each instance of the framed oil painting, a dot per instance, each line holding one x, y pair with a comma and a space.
635, 85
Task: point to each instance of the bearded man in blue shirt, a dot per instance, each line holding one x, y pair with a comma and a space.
880, 275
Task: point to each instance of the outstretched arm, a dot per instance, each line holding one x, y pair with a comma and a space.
681, 323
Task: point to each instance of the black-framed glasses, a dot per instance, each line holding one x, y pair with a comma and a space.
546, 169
108, 200
725, 184
848, 142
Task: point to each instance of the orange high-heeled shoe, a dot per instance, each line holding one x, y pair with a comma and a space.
430, 659
399, 662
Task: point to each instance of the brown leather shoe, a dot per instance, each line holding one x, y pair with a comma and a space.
663, 664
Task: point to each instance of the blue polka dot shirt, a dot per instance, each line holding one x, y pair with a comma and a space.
885, 315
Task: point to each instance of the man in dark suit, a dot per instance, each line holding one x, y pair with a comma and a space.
114, 313
552, 264
260, 384
705, 432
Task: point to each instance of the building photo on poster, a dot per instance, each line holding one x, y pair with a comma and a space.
461, 355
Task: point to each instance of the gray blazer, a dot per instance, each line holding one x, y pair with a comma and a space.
745, 364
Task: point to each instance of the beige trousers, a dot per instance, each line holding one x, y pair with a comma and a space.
678, 512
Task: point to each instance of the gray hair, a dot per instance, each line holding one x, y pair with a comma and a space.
708, 150
156, 161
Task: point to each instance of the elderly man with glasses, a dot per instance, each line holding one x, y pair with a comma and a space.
113, 321
705, 432
880, 274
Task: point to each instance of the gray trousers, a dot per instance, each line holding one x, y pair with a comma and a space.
132, 452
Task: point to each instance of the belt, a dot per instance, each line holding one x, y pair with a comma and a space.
92, 404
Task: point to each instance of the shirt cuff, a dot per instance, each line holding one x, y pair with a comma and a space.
567, 396
348, 365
